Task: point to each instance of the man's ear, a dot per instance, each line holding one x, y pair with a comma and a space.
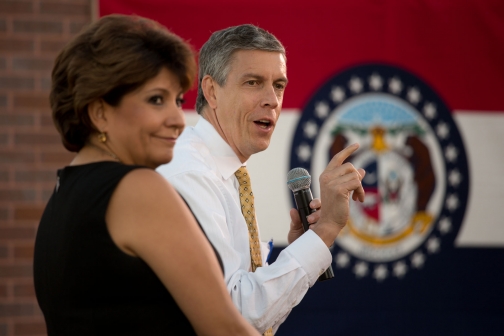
97, 114
208, 86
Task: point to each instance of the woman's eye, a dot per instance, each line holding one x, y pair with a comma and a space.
156, 100
180, 101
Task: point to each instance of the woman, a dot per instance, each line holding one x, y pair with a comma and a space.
118, 252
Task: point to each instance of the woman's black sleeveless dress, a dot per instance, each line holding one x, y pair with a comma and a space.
84, 283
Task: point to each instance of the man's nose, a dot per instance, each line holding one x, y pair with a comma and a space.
270, 98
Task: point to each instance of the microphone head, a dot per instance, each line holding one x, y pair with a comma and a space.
298, 179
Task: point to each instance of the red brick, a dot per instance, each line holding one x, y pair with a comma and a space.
37, 309
46, 194
14, 271
76, 27
24, 290
37, 26
34, 101
16, 156
36, 139
36, 176
24, 251
15, 44
62, 158
4, 214
40, 33
17, 195
33, 64
16, 7
46, 120
29, 329
4, 139
45, 83
52, 46
28, 212
13, 83
16, 309
16, 233
67, 9
4, 177
3, 26
4, 253
16, 120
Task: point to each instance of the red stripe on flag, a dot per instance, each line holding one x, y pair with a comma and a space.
455, 46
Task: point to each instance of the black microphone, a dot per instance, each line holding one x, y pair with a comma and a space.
299, 182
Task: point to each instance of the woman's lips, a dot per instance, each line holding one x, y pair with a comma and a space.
167, 139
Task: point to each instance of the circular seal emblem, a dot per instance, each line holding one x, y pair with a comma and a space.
417, 178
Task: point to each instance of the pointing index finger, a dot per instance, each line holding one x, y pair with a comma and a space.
339, 158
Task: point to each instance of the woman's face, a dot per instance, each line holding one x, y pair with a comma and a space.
144, 127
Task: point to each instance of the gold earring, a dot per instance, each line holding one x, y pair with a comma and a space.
102, 137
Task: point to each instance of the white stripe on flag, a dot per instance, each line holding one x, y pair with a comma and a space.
483, 140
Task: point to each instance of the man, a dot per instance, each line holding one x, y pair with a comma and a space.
242, 79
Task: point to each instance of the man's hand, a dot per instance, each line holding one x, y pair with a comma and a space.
296, 227
338, 183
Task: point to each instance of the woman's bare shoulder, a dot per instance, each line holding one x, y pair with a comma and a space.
143, 193
139, 208
145, 183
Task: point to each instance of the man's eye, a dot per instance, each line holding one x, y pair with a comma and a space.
180, 101
280, 86
252, 82
156, 100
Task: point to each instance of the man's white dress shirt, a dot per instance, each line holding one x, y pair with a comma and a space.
202, 171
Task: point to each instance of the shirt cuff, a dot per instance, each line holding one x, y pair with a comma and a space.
312, 254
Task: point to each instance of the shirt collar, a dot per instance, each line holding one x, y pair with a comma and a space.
225, 158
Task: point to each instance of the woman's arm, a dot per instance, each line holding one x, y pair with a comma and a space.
148, 219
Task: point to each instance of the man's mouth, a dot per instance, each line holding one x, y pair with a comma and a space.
263, 123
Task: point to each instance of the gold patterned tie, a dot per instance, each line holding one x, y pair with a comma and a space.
248, 211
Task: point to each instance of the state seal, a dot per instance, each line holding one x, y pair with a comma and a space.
417, 177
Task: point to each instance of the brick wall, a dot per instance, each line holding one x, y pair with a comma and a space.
31, 34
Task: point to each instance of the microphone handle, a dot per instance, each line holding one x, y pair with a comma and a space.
303, 198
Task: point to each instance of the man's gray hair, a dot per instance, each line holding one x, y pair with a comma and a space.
216, 54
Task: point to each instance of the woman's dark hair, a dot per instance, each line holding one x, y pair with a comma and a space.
112, 57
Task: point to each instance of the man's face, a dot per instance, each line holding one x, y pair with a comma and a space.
249, 103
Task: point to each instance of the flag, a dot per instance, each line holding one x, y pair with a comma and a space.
419, 85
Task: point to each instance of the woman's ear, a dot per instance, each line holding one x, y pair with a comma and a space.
97, 115
208, 86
